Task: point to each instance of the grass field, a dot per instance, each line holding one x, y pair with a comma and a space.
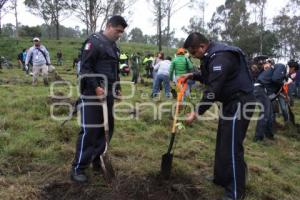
36, 152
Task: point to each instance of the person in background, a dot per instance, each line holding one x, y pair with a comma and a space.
148, 60
59, 57
297, 84
267, 88
293, 67
40, 60
135, 67
21, 59
159, 57
285, 97
179, 66
162, 76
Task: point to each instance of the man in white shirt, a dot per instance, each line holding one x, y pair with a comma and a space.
40, 58
163, 72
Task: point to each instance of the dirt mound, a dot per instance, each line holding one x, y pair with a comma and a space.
151, 187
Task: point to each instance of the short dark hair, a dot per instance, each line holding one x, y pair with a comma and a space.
117, 20
168, 58
293, 64
194, 40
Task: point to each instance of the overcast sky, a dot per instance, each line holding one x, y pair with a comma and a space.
142, 16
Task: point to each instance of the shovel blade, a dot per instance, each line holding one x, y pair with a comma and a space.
107, 169
166, 165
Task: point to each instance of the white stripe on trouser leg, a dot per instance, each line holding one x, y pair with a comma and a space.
84, 133
233, 157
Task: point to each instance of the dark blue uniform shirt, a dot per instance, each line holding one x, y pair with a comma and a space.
225, 73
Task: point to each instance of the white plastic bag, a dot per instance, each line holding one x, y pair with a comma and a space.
51, 68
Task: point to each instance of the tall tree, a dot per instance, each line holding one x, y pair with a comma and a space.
260, 4
288, 31
81, 7
195, 25
15, 8
171, 7
159, 7
136, 35
96, 12
2, 11
52, 11
231, 23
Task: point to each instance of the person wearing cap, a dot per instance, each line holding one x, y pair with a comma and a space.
266, 89
40, 58
225, 73
99, 80
181, 65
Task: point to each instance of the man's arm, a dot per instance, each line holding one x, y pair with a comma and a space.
89, 59
279, 74
219, 69
156, 66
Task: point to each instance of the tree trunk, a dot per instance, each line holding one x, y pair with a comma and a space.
16, 16
57, 21
168, 27
261, 27
159, 26
0, 22
86, 17
91, 14
57, 30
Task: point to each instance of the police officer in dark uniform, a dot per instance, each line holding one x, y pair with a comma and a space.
266, 88
99, 75
225, 73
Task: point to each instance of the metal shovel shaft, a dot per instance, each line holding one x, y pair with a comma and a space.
166, 160
107, 168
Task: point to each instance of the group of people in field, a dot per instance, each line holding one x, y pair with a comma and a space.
229, 78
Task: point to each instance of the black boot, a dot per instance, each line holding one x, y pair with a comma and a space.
78, 176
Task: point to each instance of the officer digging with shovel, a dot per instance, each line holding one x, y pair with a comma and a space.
225, 73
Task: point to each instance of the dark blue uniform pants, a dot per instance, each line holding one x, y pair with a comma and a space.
265, 123
91, 140
284, 108
230, 166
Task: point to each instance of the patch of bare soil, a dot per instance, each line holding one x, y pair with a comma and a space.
151, 187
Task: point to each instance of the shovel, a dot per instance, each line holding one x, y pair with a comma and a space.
106, 166
167, 158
